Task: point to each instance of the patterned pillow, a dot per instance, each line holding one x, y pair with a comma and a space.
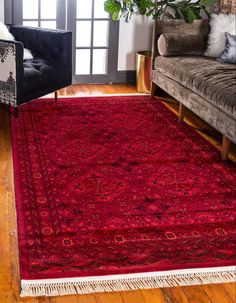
229, 53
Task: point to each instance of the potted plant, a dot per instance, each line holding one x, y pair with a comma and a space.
125, 9
186, 9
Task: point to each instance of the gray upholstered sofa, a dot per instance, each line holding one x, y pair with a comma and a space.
201, 84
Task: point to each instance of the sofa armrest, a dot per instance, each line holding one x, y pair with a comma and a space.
11, 71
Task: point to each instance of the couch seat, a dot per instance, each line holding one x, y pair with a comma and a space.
39, 73
210, 79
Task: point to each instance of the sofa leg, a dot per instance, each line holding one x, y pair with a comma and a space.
226, 144
181, 112
55, 94
153, 89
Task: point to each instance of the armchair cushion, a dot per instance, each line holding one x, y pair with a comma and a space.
40, 73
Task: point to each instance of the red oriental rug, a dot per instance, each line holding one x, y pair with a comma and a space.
113, 194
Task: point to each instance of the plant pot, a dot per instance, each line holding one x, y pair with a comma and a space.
143, 71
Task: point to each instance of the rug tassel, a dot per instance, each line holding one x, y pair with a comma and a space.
75, 286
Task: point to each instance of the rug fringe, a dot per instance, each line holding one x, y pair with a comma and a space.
61, 287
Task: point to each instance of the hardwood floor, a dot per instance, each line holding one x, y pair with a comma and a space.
9, 265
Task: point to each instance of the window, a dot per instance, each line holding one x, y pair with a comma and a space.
95, 35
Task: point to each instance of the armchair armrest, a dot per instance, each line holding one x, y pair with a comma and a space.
45, 43
11, 71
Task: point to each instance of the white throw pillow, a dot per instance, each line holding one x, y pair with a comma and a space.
6, 35
4, 32
27, 54
220, 24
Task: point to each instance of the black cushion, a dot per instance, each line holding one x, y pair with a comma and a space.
40, 73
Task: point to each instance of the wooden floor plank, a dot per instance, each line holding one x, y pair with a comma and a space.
230, 288
134, 297
9, 263
5, 297
175, 294
196, 294
44, 300
153, 296
217, 293
66, 299
86, 299
114, 297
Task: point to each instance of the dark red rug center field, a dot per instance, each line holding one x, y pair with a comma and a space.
113, 185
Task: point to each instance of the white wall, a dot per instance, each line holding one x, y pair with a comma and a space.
1, 10
134, 36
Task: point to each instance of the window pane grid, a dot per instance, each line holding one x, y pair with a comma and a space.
83, 33
97, 47
83, 59
41, 11
90, 61
92, 40
95, 19
86, 11
48, 9
31, 23
100, 31
99, 11
30, 9
39, 19
99, 62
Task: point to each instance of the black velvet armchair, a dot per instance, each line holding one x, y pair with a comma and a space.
49, 70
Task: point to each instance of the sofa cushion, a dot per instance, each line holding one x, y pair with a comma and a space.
207, 77
39, 73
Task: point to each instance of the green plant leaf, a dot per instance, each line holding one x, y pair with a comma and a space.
157, 14
206, 12
189, 13
206, 2
169, 15
150, 13
197, 12
175, 8
112, 6
146, 4
182, 3
184, 9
